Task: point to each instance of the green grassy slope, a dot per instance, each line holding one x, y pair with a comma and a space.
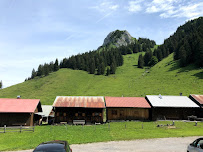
164, 78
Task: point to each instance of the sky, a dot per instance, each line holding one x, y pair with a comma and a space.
33, 32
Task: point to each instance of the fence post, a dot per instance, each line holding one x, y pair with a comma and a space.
33, 128
20, 128
142, 126
109, 126
4, 128
125, 126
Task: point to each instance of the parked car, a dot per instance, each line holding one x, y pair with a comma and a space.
196, 146
53, 146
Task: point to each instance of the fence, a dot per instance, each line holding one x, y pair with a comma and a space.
16, 129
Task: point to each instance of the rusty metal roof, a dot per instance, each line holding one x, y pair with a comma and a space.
18, 105
79, 101
135, 102
198, 98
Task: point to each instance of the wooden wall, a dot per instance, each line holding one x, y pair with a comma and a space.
11, 119
69, 114
127, 114
161, 113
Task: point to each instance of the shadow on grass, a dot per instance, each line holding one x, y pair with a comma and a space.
199, 75
175, 65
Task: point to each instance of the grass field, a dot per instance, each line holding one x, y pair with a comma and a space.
97, 133
165, 78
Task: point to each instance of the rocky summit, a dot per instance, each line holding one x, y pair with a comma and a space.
118, 38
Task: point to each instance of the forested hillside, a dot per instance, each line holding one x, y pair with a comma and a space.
166, 78
186, 43
103, 61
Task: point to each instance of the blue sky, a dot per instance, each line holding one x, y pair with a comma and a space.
33, 32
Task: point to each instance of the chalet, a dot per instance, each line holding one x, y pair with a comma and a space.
19, 111
127, 108
198, 99
72, 108
171, 107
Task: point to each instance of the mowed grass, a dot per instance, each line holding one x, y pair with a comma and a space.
165, 78
97, 133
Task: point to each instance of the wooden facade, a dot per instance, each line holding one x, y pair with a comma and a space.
198, 99
68, 114
167, 113
20, 115
116, 113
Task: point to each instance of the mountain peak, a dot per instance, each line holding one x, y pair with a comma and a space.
118, 38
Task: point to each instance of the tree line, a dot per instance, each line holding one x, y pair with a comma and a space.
102, 62
186, 43
1, 84
94, 62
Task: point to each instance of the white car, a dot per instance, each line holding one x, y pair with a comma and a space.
196, 146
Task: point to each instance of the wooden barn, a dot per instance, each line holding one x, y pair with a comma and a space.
171, 107
79, 108
19, 111
127, 108
198, 99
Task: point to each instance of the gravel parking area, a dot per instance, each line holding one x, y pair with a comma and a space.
144, 145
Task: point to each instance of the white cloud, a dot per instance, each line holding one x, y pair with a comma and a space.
191, 11
175, 8
160, 6
134, 6
106, 7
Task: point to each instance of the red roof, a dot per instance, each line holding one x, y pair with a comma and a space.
79, 101
18, 105
131, 102
198, 98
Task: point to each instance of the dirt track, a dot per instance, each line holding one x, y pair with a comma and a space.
145, 145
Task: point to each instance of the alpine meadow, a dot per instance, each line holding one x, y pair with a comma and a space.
161, 72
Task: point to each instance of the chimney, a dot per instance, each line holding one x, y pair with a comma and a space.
18, 97
181, 94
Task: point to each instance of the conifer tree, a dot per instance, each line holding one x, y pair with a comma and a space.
147, 57
92, 67
153, 61
113, 68
46, 69
102, 68
40, 71
34, 74
56, 65
1, 85
140, 61
107, 71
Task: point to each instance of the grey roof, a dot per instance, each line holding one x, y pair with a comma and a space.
46, 110
171, 101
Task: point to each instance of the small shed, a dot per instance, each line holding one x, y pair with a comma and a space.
19, 111
85, 108
171, 107
198, 99
127, 108
47, 113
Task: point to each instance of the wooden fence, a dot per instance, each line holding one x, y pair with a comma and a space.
16, 129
